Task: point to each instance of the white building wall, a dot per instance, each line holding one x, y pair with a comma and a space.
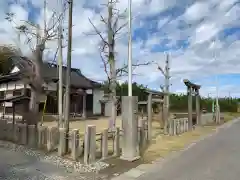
108, 108
8, 88
8, 94
97, 95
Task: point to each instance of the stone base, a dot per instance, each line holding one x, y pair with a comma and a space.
131, 159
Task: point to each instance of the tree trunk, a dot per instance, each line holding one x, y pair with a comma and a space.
166, 113
34, 108
36, 82
113, 99
111, 60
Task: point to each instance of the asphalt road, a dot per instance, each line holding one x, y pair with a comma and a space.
216, 158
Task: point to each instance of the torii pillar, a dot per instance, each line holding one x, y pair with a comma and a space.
198, 112
193, 88
190, 120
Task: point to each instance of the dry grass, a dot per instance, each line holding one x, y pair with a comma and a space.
230, 116
163, 145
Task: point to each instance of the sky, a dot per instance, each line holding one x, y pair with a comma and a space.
201, 36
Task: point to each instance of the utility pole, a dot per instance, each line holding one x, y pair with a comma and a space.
217, 93
166, 92
60, 64
68, 79
129, 47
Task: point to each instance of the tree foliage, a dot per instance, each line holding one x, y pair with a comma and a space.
6, 64
179, 101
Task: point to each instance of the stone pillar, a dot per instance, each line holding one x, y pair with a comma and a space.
50, 138
62, 141
116, 142
184, 125
90, 144
22, 134
177, 126
130, 148
218, 115
198, 113
174, 127
189, 108
104, 144
75, 144
32, 136
180, 126
149, 112
3, 128
15, 133
170, 129
142, 135
9, 131
84, 114
42, 136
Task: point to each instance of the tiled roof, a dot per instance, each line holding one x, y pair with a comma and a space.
50, 73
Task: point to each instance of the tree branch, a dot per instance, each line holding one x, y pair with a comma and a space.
98, 32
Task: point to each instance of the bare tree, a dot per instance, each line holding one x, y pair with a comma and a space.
37, 42
107, 52
165, 90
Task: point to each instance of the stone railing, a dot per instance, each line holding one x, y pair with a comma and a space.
178, 126
88, 148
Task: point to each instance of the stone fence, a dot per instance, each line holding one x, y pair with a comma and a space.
87, 148
178, 126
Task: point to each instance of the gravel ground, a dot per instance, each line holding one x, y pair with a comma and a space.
20, 163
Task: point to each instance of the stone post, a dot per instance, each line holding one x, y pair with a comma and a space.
149, 112
170, 127
142, 137
75, 144
189, 108
116, 142
104, 144
184, 125
3, 128
178, 127
50, 143
62, 141
174, 127
130, 147
9, 131
42, 136
22, 134
15, 133
218, 115
32, 136
90, 144
84, 114
198, 113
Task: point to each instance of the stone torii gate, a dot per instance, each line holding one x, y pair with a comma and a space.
193, 89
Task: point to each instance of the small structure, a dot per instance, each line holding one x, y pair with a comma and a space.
157, 98
193, 89
106, 105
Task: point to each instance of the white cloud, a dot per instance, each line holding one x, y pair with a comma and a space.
197, 11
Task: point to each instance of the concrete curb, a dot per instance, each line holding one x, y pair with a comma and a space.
158, 164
